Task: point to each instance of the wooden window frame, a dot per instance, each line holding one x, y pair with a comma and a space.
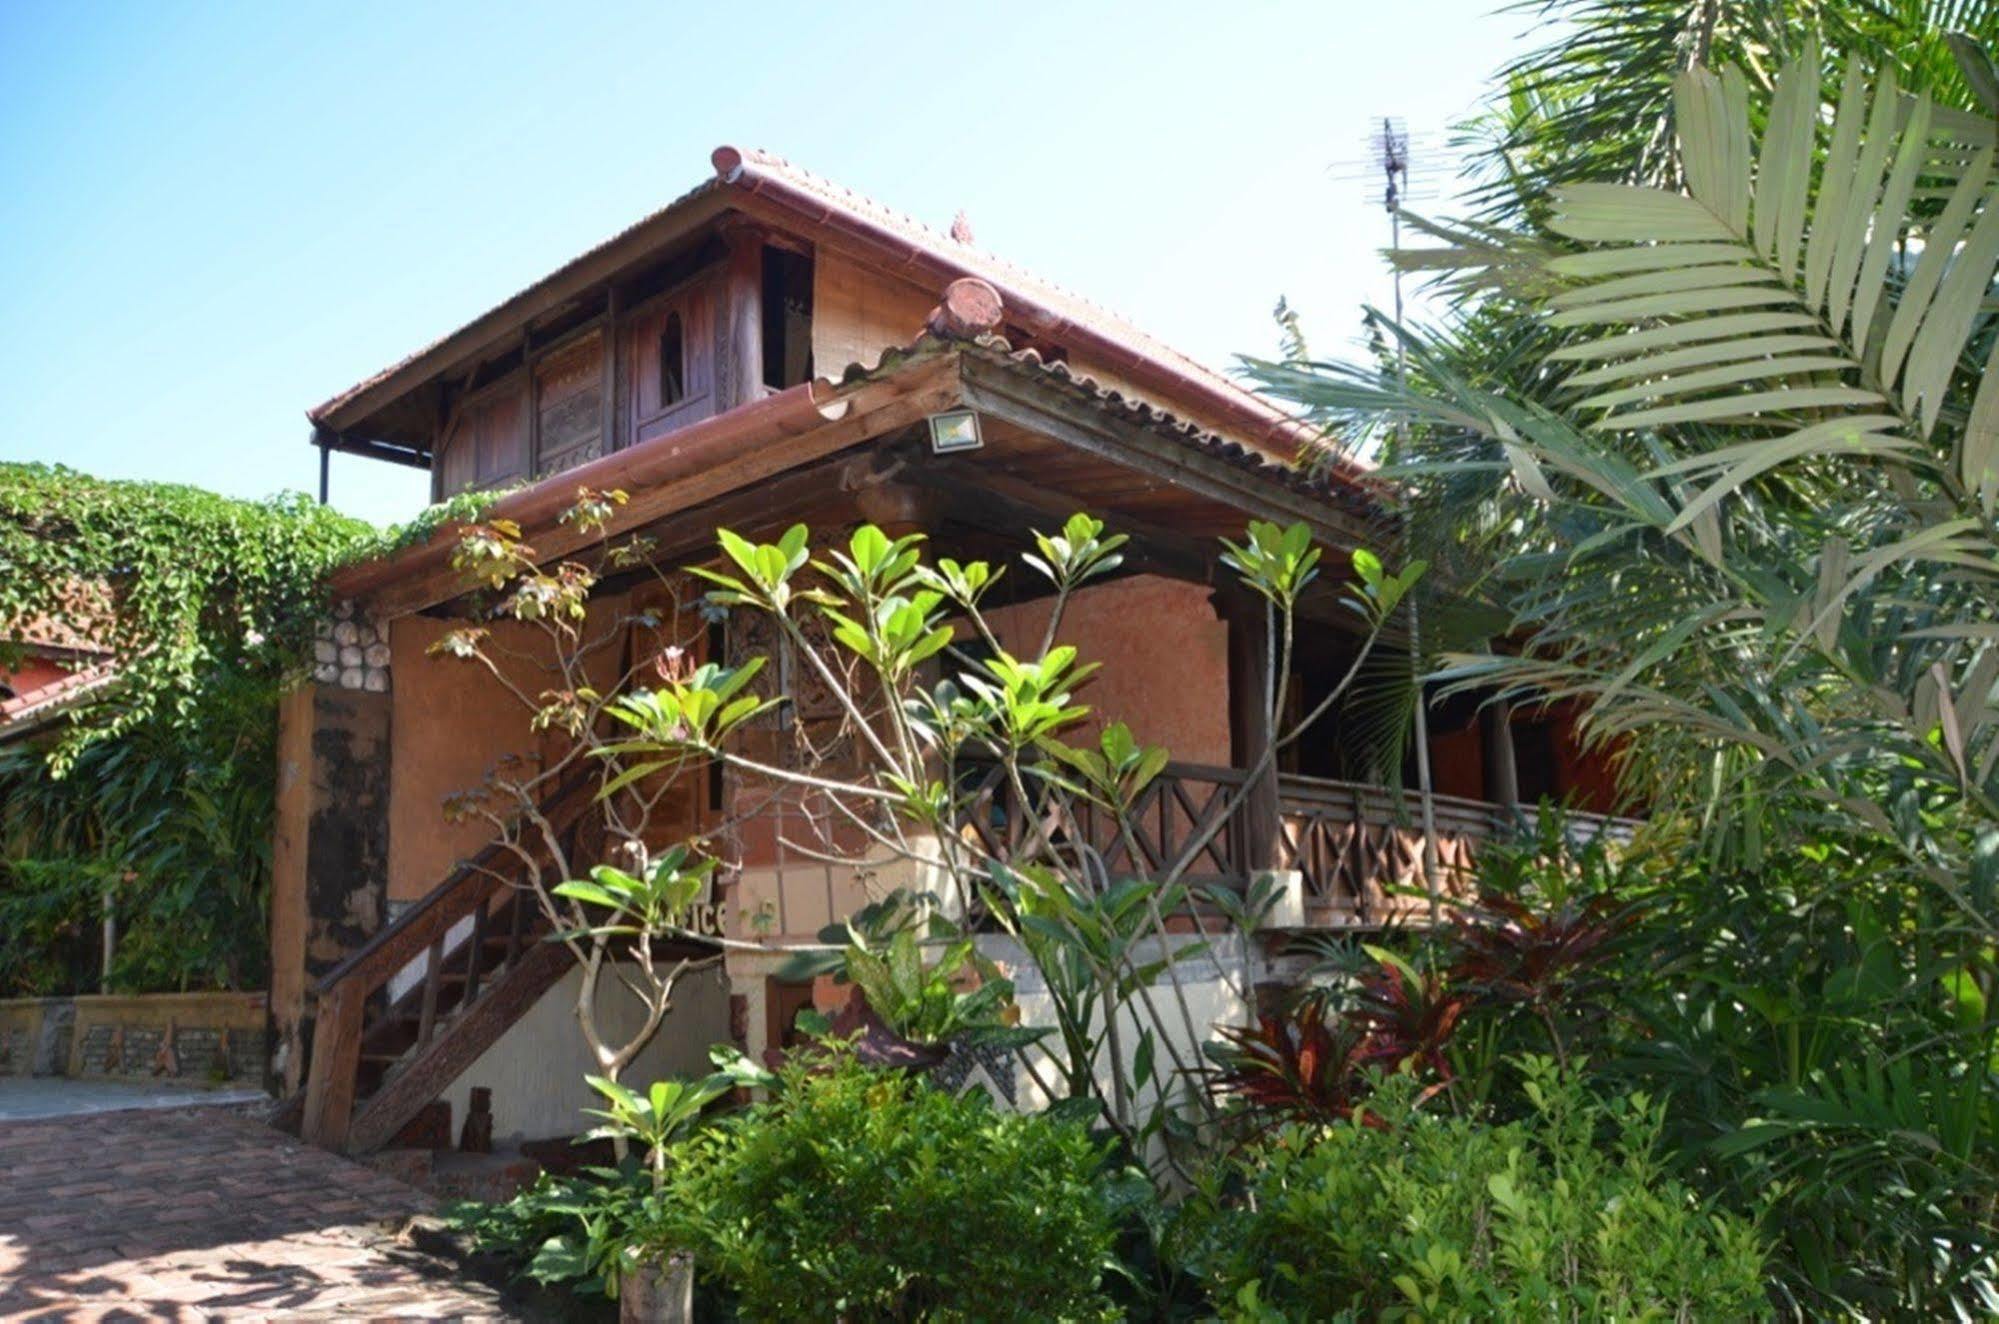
695, 301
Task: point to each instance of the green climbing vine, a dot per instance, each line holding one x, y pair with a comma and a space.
156, 798
175, 583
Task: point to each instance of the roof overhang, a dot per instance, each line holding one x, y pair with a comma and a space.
735, 451
37, 709
343, 420
798, 202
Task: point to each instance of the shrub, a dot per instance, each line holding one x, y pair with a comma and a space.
564, 1231
870, 1195
1563, 1215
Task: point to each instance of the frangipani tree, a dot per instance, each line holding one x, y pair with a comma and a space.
605, 880
880, 626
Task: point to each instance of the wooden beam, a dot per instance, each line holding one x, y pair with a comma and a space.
809, 495
336, 1060
742, 339
613, 343
1250, 732
1502, 772
989, 498
1044, 407
999, 502
875, 409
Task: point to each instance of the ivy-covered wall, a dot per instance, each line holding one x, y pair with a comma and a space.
158, 796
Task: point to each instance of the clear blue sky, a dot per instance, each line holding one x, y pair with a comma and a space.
213, 216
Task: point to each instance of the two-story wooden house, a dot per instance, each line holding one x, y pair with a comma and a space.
772, 348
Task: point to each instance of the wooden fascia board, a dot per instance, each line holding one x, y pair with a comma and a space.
489, 331
875, 408
1045, 408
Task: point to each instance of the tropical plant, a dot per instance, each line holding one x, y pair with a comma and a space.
1416, 1216
1752, 529
925, 1001
1774, 479
167, 828
1594, 102
1719, 417
175, 584
611, 884
570, 1231
1522, 966
867, 1194
1303, 1064
666, 1112
154, 794
863, 619
1826, 1067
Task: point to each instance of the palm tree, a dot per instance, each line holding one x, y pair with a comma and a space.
1752, 501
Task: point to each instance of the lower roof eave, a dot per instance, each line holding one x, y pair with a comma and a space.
717, 455
756, 443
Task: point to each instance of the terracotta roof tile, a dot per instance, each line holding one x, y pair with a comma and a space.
1010, 278
1346, 494
816, 201
33, 707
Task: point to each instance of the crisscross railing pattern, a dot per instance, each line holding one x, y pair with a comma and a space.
1358, 848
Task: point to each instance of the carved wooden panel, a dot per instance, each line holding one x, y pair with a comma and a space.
487, 444
569, 387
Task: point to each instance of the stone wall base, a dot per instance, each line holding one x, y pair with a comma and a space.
212, 1037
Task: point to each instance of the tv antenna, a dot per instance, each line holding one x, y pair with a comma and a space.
1398, 170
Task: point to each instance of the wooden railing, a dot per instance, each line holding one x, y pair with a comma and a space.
1172, 817
1359, 848
470, 932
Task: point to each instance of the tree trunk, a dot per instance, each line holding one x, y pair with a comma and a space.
658, 1291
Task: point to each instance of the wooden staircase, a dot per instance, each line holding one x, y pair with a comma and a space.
379, 1052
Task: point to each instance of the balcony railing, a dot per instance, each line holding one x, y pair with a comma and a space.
1358, 848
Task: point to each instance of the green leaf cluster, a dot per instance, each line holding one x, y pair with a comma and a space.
178, 585
1566, 1214
860, 1194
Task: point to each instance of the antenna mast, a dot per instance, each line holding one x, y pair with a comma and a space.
1391, 165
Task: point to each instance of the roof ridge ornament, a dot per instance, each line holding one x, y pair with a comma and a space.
970, 309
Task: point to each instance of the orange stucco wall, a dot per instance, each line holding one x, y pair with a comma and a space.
1165, 657
1457, 763
452, 722
1586, 775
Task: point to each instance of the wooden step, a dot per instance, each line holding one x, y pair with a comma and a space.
417, 1077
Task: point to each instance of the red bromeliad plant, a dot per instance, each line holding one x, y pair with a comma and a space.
1317, 1063
1317, 1060
1541, 961
1295, 1065
1407, 1016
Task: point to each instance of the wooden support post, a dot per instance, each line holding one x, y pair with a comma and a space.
612, 344
742, 379
1502, 774
336, 1061
1250, 731
475, 954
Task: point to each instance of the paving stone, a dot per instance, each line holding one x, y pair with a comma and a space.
205, 1214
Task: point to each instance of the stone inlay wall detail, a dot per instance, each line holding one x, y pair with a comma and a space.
17, 1050
352, 651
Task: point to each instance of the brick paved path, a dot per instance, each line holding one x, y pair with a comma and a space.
204, 1213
